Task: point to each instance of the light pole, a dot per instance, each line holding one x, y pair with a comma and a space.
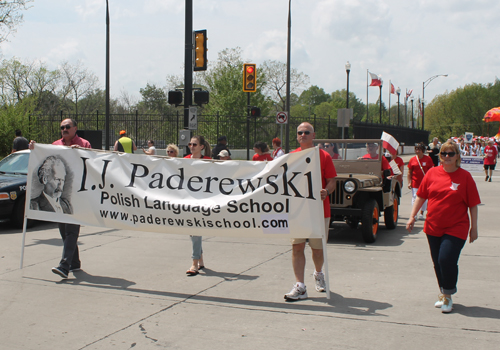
380, 101
398, 91
424, 84
412, 118
347, 70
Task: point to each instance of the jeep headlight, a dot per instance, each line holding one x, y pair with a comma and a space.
350, 186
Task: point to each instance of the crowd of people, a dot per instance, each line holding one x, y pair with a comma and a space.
437, 182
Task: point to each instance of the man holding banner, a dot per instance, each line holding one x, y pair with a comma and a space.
69, 232
305, 137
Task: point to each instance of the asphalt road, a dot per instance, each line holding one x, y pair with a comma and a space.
133, 292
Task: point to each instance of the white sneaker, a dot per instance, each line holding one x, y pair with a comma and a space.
319, 279
421, 217
447, 305
440, 301
297, 293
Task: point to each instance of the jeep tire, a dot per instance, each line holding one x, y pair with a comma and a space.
370, 221
391, 214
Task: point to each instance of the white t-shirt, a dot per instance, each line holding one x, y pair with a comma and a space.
152, 149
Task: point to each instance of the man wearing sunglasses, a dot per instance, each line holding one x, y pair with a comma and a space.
70, 261
305, 137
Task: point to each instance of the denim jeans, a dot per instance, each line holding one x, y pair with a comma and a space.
197, 250
445, 252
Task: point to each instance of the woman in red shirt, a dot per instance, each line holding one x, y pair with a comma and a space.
418, 166
197, 145
451, 191
261, 151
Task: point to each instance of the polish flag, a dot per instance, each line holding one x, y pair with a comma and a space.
393, 90
408, 93
389, 142
376, 81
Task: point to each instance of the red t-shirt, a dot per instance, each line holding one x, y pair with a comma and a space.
262, 157
490, 153
449, 197
327, 172
77, 140
385, 162
190, 156
416, 172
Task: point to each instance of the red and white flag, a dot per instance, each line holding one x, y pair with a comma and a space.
408, 93
376, 81
389, 142
393, 90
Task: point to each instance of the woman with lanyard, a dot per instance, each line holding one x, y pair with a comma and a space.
417, 168
196, 146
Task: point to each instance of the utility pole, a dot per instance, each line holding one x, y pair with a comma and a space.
188, 63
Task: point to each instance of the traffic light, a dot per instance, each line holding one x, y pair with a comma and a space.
175, 97
255, 112
201, 97
249, 77
200, 50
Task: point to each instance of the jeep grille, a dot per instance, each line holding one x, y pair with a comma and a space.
337, 197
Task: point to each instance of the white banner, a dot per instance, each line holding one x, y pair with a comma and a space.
174, 195
472, 164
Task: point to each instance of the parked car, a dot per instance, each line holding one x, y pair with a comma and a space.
13, 176
363, 191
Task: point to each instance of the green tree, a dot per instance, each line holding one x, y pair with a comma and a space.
154, 100
16, 116
11, 16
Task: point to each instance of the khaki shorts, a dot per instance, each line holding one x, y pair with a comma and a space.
314, 243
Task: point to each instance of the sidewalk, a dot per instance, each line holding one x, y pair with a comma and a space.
133, 292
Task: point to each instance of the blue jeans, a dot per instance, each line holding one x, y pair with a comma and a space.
445, 252
197, 250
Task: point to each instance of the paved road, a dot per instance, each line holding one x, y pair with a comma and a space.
133, 292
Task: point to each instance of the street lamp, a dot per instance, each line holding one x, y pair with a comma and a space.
412, 115
348, 70
398, 91
380, 100
424, 84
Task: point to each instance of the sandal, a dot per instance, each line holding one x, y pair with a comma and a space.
193, 271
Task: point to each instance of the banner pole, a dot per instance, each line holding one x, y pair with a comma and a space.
24, 239
325, 263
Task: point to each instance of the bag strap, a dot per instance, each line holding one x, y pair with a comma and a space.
418, 160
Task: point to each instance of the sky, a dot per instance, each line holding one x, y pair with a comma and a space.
404, 42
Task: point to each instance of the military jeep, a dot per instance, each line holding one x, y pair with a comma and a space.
363, 191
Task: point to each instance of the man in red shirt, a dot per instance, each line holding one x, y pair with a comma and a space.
490, 160
305, 137
70, 261
372, 149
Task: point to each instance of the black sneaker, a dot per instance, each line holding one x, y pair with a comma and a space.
60, 271
74, 269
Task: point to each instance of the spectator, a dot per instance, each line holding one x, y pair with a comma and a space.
221, 145
151, 150
20, 142
490, 160
433, 150
125, 144
172, 150
224, 155
261, 152
278, 151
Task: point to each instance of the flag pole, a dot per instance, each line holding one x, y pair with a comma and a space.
367, 118
390, 92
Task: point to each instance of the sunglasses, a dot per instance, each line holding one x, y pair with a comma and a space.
307, 132
67, 127
192, 144
327, 146
448, 154
170, 151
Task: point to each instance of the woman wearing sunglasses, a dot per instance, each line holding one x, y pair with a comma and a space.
450, 191
197, 145
172, 150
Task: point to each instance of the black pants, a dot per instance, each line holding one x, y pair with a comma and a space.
70, 255
445, 252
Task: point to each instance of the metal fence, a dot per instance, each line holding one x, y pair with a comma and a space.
164, 129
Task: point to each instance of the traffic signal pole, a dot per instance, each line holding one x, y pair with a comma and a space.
248, 126
188, 63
